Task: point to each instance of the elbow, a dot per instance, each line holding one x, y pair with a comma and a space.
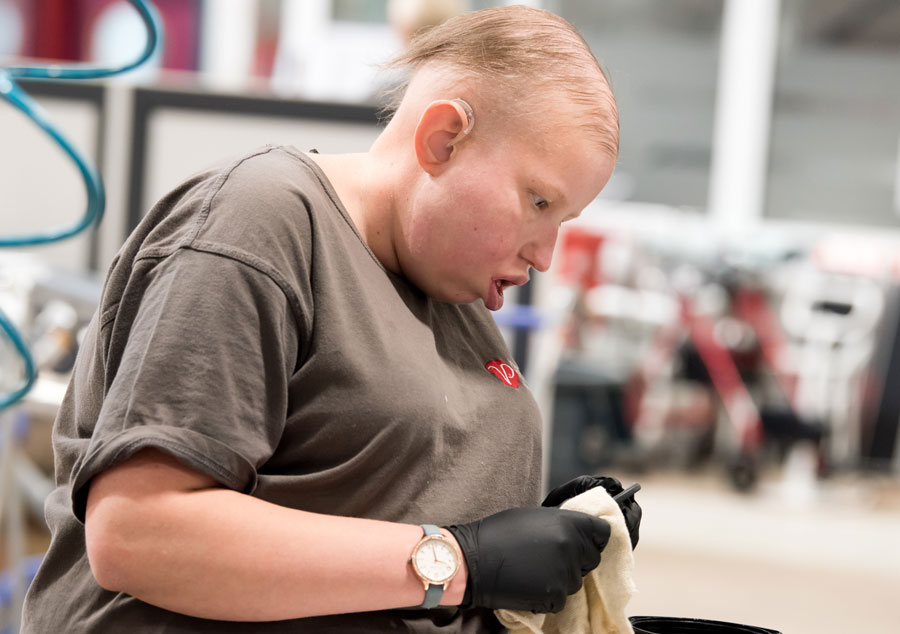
111, 560
102, 555
131, 513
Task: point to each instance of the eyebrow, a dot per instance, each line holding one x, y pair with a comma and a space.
554, 194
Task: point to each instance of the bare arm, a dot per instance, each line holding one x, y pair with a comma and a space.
170, 536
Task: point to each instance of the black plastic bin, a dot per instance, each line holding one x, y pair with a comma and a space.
675, 625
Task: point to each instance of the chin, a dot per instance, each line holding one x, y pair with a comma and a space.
447, 295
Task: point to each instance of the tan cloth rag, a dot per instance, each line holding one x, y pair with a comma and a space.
599, 606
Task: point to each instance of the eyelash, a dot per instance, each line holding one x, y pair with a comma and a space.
539, 202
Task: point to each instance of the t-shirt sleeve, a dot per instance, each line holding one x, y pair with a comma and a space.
200, 370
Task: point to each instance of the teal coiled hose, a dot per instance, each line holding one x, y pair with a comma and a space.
12, 93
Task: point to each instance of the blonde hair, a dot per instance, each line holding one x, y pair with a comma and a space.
412, 16
518, 56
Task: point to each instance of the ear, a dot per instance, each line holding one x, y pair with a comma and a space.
442, 126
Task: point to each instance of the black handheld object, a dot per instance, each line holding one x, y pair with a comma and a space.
623, 495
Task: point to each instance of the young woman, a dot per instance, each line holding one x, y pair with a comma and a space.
293, 378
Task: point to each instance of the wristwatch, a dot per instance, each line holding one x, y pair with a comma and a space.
435, 560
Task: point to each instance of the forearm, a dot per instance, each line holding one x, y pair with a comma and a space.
219, 554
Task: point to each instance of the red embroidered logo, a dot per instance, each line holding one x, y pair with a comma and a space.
503, 371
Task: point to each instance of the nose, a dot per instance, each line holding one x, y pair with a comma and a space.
539, 251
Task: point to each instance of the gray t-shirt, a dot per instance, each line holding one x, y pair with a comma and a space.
246, 329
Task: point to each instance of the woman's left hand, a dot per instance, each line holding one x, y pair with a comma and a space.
630, 508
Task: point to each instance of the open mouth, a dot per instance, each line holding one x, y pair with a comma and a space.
502, 285
495, 299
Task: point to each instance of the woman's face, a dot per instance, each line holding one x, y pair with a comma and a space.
494, 212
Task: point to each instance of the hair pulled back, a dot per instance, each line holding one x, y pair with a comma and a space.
519, 58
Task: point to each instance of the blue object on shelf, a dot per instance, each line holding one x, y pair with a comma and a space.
520, 316
31, 565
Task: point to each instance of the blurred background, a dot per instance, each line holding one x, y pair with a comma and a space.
721, 324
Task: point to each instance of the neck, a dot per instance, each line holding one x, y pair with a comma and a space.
365, 184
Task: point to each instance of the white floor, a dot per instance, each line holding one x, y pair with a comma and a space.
797, 556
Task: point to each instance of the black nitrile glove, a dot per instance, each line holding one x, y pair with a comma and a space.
630, 508
529, 558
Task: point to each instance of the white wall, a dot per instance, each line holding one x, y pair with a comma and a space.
214, 137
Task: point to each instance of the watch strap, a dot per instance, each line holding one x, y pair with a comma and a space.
432, 596
431, 530
435, 591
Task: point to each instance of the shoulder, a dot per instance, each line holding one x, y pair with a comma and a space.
271, 165
260, 210
265, 194
241, 202
253, 210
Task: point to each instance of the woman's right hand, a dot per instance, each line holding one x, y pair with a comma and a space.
529, 558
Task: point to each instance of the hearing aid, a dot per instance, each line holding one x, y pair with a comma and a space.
470, 120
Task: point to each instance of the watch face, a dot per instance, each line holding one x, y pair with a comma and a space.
436, 560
